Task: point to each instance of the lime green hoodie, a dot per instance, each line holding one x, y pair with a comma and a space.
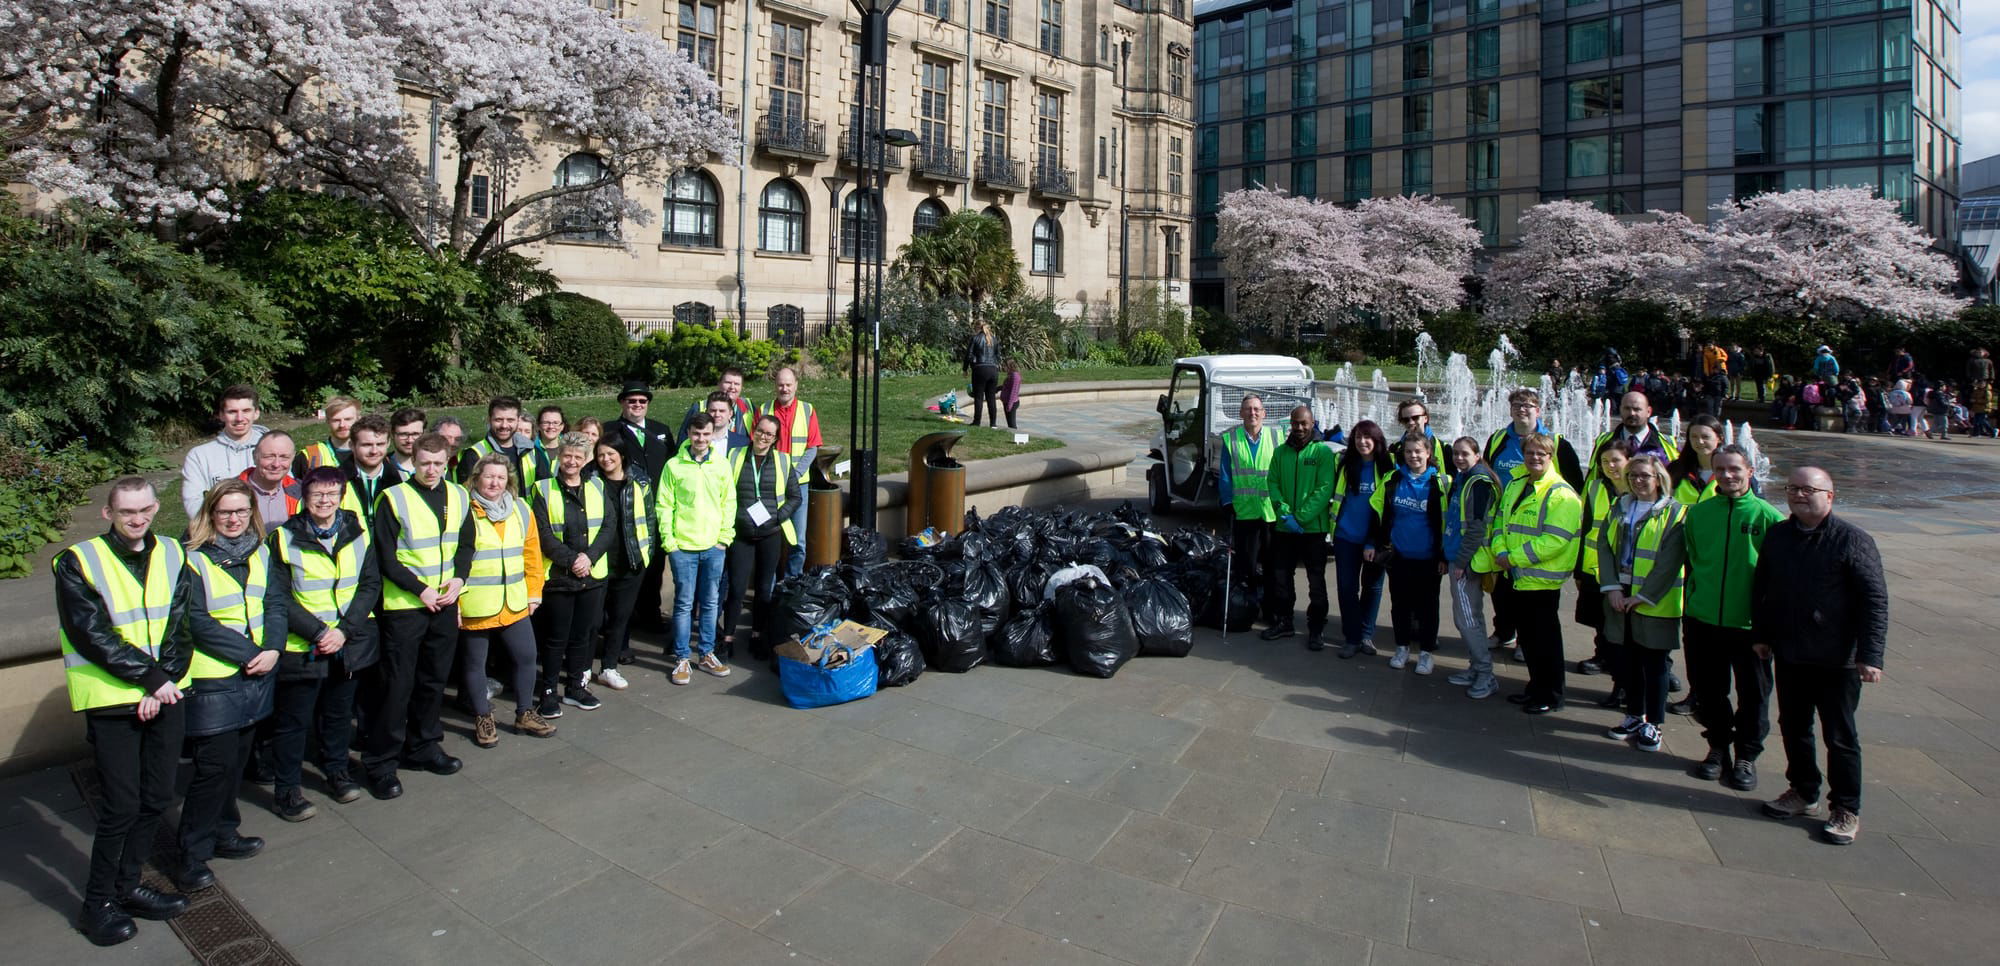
1723, 536
695, 502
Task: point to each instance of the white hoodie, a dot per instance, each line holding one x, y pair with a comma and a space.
212, 462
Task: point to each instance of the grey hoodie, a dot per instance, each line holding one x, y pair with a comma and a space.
212, 462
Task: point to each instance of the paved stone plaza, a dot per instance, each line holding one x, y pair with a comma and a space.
1252, 803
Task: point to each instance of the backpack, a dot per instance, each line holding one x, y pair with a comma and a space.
1810, 394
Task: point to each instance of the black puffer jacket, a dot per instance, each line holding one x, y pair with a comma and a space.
87, 621
1819, 595
217, 705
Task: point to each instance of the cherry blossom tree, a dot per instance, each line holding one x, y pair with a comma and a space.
157, 108
1296, 260
1834, 254
1575, 258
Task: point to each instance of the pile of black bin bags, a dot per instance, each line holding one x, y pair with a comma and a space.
983, 595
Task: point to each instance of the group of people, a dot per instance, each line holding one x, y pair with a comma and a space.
1902, 401
1668, 543
324, 595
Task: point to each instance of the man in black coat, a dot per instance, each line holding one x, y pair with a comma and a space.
654, 442
1820, 606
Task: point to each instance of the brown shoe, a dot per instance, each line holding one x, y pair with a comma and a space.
709, 664
484, 733
531, 723
1793, 805
679, 675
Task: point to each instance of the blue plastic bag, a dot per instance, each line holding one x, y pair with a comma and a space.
812, 686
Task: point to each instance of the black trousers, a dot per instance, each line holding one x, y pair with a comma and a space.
1413, 602
404, 692
1013, 409
568, 629
1288, 551
1715, 655
209, 814
1251, 541
752, 560
307, 707
136, 765
1829, 694
986, 392
1538, 625
648, 611
621, 599
1642, 673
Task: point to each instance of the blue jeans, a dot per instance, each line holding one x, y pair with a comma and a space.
1358, 604
795, 559
695, 570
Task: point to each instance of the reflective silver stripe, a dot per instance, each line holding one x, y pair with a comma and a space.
91, 554
1545, 574
71, 659
315, 583
497, 580
1523, 528
1644, 555
497, 553
225, 602
1558, 531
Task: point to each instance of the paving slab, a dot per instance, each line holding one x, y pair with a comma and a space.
963, 793
1617, 939
1117, 915
1489, 926
1593, 819
745, 877
1262, 761
1223, 805
1965, 871
613, 917
875, 835
1357, 835
989, 942
290, 888
1146, 786
981, 872
1517, 862
1053, 760
1246, 936
426, 930
728, 944
1794, 849
1751, 903
1305, 886
1914, 929
856, 919
1141, 734
1069, 825
1152, 848
947, 731
1428, 790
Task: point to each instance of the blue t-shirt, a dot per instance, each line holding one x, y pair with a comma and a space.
1410, 525
1508, 456
1354, 511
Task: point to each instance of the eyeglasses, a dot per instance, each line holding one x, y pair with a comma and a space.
1412, 419
318, 497
232, 514
1806, 490
765, 434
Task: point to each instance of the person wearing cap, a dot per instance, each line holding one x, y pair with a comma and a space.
653, 443
1824, 365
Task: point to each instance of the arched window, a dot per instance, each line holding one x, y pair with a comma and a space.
787, 327
781, 218
694, 313
1046, 257
859, 232
587, 215
994, 212
930, 214
694, 211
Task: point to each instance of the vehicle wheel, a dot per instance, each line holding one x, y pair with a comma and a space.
1156, 490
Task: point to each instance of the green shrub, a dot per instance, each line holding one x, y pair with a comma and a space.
107, 332
38, 486
1149, 348
580, 334
695, 355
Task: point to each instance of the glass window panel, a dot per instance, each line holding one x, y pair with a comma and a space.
1589, 157
1358, 180
1895, 51
1417, 171
1486, 217
1896, 122
1305, 179
1253, 140
1253, 94
1359, 130
1484, 49
1852, 55
1305, 84
1482, 106
1589, 40
1750, 67
1798, 127
1850, 126
1305, 132
1360, 73
1596, 97
1482, 163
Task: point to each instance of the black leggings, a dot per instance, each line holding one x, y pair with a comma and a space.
1413, 602
621, 598
519, 639
986, 390
567, 634
752, 558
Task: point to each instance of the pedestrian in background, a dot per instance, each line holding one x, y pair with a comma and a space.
982, 362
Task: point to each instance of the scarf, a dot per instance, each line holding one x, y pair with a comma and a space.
497, 511
235, 549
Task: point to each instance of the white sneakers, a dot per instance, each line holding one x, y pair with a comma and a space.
610, 678
1402, 658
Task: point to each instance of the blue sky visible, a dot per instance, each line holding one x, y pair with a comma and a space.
1980, 61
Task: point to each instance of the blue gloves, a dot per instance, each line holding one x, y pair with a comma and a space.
1291, 524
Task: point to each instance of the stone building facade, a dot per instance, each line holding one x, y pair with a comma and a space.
1024, 110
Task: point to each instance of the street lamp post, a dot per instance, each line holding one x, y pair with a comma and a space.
1124, 206
870, 103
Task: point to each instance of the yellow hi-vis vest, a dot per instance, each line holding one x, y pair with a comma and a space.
322, 584
1482, 556
795, 438
138, 615
427, 544
350, 499
322, 454
1249, 474
642, 517
1534, 510
782, 464
1598, 499
239, 607
1645, 551
499, 578
550, 492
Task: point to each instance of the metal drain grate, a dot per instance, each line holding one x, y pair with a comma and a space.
216, 929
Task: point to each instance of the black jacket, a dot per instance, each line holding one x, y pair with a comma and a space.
363, 645
387, 530
217, 705
1819, 596
87, 622
620, 497
390, 477
781, 502
560, 549
656, 439
981, 351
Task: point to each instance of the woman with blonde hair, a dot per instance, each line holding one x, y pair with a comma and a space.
503, 590
239, 626
982, 360
1640, 557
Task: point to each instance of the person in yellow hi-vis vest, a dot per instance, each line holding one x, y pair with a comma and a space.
423, 537
1535, 545
334, 642
1639, 565
628, 496
122, 604
239, 620
766, 493
798, 438
577, 530
1245, 488
504, 590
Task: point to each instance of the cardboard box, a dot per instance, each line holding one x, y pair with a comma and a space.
846, 634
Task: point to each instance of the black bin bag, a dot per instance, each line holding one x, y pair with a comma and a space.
952, 640
899, 659
1096, 629
1028, 640
1161, 618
